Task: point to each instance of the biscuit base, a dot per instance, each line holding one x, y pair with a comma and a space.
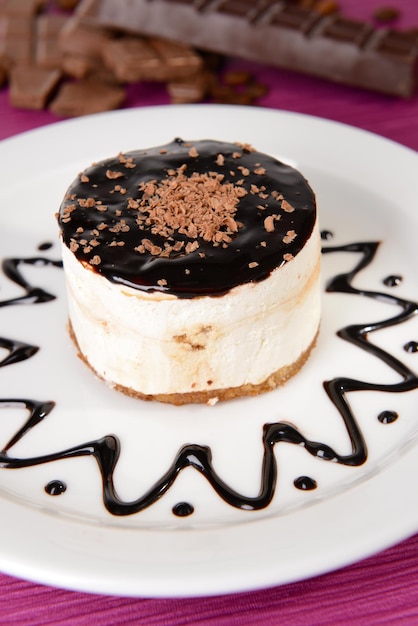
212, 396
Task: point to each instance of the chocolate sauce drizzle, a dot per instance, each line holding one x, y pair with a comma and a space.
12, 268
55, 487
305, 483
393, 280
106, 450
387, 417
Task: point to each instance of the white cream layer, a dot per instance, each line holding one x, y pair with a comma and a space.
159, 344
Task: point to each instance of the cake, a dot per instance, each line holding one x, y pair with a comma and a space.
192, 271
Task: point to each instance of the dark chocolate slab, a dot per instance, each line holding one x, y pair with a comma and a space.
277, 33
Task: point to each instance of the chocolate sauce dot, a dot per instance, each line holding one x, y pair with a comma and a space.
55, 487
183, 509
411, 347
305, 483
326, 235
45, 246
393, 280
387, 417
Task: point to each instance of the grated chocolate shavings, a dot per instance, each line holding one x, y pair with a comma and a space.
133, 204
119, 189
197, 206
128, 162
111, 174
269, 224
191, 246
275, 218
289, 236
247, 147
287, 207
87, 203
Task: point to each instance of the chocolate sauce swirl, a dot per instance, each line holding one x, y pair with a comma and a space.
12, 268
99, 207
106, 450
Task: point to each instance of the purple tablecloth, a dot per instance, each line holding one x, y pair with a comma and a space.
379, 590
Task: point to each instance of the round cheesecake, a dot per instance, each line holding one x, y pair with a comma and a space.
192, 270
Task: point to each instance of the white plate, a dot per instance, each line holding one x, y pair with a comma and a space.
367, 191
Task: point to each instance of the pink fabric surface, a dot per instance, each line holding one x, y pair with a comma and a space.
380, 590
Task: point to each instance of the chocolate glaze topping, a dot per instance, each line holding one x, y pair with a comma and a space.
106, 220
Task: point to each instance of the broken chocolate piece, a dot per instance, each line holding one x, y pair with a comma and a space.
386, 15
190, 89
22, 8
47, 50
80, 39
181, 61
31, 86
86, 97
133, 59
15, 39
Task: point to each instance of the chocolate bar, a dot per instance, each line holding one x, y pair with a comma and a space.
277, 33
